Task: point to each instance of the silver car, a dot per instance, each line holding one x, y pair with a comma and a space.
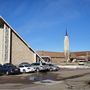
53, 67
39, 66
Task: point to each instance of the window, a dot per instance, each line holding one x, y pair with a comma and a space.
1, 25
21, 66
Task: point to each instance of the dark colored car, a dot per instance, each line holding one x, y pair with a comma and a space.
1, 69
10, 69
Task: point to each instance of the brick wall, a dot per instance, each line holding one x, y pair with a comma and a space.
20, 51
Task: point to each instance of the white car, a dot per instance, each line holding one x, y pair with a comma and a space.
26, 68
81, 63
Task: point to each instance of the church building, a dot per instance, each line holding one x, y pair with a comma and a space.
13, 49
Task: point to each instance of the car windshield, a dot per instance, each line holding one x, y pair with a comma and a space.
27, 65
44, 64
81, 61
35, 64
21, 66
9, 65
51, 65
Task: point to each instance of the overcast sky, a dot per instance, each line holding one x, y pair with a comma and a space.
42, 23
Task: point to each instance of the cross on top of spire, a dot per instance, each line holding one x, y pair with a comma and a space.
66, 33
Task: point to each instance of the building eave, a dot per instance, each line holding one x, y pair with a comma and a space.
4, 21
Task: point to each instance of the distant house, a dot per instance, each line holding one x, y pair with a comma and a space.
13, 49
54, 57
58, 57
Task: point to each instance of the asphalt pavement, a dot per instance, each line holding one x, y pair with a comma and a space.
65, 79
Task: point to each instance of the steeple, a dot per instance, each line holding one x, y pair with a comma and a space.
66, 47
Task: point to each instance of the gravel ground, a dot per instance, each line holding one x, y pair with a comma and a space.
66, 79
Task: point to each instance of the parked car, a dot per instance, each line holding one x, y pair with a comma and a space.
25, 68
10, 69
53, 67
0, 69
39, 66
46, 66
81, 62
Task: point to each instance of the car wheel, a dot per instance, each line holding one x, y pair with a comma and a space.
51, 69
7, 73
24, 71
37, 69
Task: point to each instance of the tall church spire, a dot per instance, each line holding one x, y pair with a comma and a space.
66, 47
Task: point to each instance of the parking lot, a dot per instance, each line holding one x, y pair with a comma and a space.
65, 79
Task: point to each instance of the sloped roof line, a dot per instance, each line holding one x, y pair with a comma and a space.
20, 37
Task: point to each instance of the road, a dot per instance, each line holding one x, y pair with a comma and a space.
66, 79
